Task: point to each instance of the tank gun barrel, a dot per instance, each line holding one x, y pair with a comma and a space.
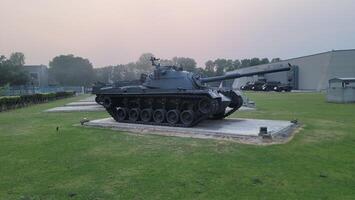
238, 75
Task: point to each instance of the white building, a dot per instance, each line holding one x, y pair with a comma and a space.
312, 72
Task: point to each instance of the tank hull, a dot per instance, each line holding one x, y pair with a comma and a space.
184, 108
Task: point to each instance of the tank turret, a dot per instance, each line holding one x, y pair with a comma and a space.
173, 97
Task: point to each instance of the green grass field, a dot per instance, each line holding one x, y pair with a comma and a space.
36, 162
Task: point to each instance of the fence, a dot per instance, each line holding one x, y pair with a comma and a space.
26, 90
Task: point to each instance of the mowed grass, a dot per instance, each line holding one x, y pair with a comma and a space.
37, 162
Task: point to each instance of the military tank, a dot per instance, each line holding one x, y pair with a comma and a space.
170, 96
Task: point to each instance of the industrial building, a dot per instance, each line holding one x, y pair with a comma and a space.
309, 72
38, 75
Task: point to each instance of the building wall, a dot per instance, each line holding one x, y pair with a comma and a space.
342, 64
40, 72
314, 71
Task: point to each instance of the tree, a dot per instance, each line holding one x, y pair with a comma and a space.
245, 63
209, 69
166, 62
103, 74
131, 72
254, 61
17, 59
188, 64
69, 70
264, 61
118, 73
144, 63
12, 71
223, 65
275, 60
237, 64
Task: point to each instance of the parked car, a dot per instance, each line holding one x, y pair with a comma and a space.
283, 87
247, 86
257, 86
270, 86
276, 86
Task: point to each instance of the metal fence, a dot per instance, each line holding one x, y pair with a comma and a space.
24, 90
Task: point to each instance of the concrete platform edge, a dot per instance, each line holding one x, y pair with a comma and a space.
282, 136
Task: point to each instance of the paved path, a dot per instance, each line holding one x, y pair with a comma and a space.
89, 108
85, 105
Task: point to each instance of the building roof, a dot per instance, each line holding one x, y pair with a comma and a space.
283, 62
342, 79
290, 59
316, 54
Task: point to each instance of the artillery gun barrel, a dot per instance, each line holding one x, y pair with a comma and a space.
238, 75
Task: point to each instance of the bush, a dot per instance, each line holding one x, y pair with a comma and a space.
3, 89
13, 102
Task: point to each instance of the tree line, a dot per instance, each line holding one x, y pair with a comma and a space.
70, 70
143, 65
216, 67
12, 71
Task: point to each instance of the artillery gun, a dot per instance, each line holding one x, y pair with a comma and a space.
170, 96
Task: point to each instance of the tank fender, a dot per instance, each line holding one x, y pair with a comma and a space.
235, 97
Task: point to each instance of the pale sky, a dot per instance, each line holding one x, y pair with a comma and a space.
109, 32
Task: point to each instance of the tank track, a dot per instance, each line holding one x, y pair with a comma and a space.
191, 101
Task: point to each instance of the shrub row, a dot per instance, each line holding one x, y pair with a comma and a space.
13, 102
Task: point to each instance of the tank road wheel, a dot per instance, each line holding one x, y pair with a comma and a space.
172, 116
187, 117
121, 114
146, 114
107, 102
205, 106
134, 114
159, 115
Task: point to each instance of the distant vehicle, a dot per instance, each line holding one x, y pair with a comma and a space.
247, 86
257, 85
276, 86
271, 86
283, 87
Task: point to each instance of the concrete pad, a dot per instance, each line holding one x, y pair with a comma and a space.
241, 130
245, 108
92, 108
88, 99
82, 103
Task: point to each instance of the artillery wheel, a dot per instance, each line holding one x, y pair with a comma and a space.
187, 117
121, 114
159, 115
146, 114
172, 116
134, 114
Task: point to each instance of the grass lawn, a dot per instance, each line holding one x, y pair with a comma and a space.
36, 162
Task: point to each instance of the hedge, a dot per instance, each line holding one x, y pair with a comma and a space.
13, 102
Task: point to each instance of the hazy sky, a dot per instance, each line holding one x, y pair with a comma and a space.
117, 31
